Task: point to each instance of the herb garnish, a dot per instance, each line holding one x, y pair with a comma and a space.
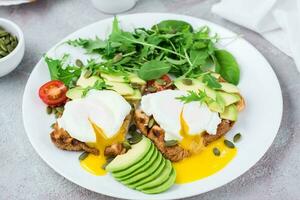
193, 96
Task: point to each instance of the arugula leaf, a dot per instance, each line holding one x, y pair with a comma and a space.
228, 67
153, 69
99, 85
67, 74
89, 44
193, 96
211, 81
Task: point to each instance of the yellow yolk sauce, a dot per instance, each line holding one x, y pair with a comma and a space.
94, 163
203, 162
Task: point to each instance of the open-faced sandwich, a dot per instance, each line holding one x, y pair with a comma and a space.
153, 110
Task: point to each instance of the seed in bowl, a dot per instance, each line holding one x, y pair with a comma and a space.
8, 42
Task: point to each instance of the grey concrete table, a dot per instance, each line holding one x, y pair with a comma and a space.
23, 174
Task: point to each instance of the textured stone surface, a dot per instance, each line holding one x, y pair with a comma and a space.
23, 175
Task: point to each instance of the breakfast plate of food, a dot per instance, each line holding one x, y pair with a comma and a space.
152, 106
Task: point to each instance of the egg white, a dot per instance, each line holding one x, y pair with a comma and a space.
106, 109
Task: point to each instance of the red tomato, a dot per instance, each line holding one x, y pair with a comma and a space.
53, 93
160, 84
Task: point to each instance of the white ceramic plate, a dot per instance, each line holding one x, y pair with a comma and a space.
258, 123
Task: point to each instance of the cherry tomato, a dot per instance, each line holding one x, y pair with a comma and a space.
53, 93
160, 84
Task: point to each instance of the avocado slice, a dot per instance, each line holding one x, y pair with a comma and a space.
229, 88
230, 113
194, 85
87, 82
152, 176
133, 156
75, 93
229, 98
133, 78
155, 157
142, 175
136, 95
135, 166
121, 88
164, 186
164, 175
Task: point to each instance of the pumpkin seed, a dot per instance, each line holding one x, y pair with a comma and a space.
229, 144
52, 125
161, 82
3, 33
117, 57
10, 48
83, 156
151, 89
132, 128
151, 123
88, 74
60, 109
237, 137
79, 63
187, 81
216, 151
126, 145
170, 143
3, 47
108, 160
49, 110
3, 53
136, 137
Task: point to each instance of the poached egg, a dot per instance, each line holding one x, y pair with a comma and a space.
97, 120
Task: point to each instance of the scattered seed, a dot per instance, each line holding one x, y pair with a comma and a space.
3, 33
170, 143
229, 144
126, 145
60, 109
187, 81
151, 123
161, 82
216, 151
108, 160
87, 74
83, 156
3, 47
52, 125
79, 63
151, 89
117, 57
136, 137
49, 110
132, 128
57, 115
237, 137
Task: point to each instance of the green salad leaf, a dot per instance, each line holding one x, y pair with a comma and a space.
153, 70
193, 96
227, 66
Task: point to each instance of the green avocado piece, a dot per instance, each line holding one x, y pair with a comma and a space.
164, 186
142, 175
164, 175
121, 88
195, 85
75, 93
133, 156
230, 113
229, 98
136, 165
229, 88
154, 158
87, 82
152, 176
136, 95
132, 78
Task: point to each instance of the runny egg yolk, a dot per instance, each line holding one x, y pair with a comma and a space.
202, 163
94, 163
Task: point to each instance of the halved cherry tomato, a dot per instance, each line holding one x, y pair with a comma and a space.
160, 84
53, 93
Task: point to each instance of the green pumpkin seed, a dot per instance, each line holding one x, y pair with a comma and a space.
117, 57
108, 160
151, 89
132, 128
216, 151
187, 81
49, 110
237, 137
52, 125
83, 156
14, 44
3, 33
229, 144
151, 123
88, 74
10, 48
79, 63
60, 109
170, 143
126, 145
3, 53
161, 82
3, 47
136, 137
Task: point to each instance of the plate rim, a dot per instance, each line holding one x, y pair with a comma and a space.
170, 15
